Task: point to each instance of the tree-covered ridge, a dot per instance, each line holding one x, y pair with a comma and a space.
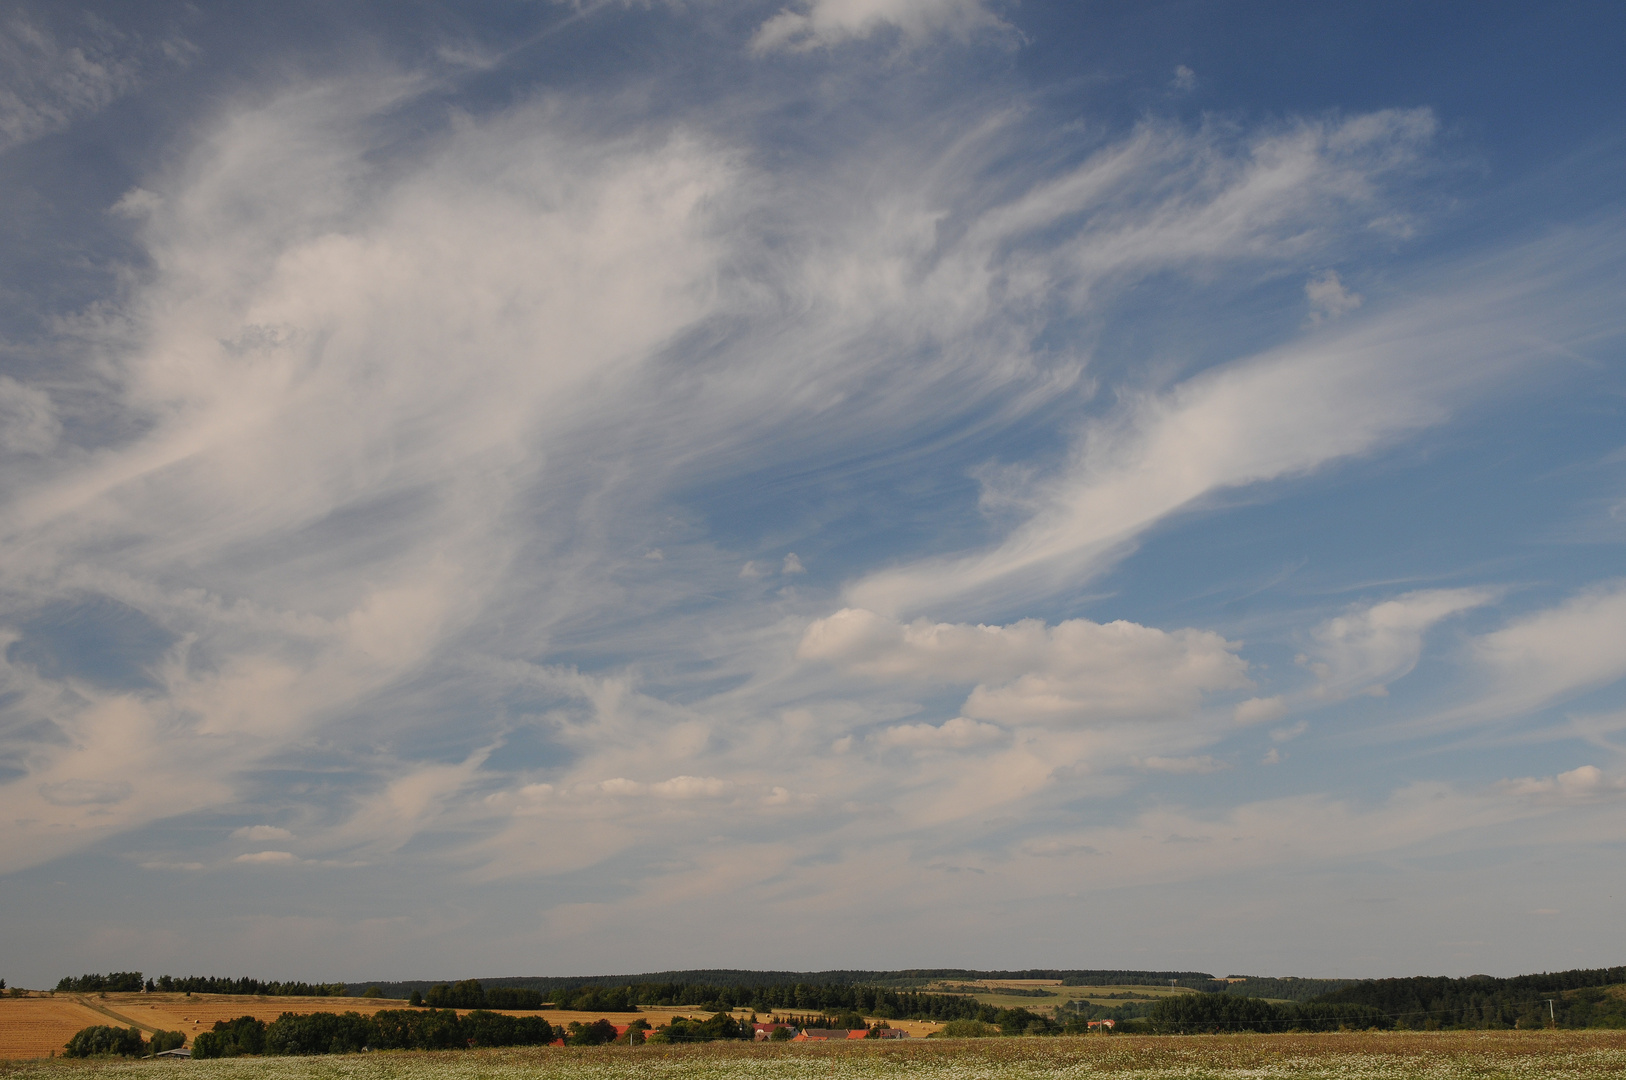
1577, 997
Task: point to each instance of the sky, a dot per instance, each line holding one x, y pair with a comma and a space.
532, 488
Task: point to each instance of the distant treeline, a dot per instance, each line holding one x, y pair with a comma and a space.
123, 982
878, 1001
130, 982
1480, 1001
733, 979
469, 994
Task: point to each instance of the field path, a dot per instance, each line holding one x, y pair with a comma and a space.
124, 1021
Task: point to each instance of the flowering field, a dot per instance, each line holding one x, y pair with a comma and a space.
1436, 1056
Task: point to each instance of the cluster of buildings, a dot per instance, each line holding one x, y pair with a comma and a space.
765, 1032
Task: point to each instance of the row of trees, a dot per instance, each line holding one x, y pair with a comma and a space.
124, 982
469, 994
877, 1001
130, 982
102, 1041
438, 1029
392, 1029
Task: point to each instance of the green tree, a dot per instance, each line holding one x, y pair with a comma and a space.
231, 1038
167, 1040
103, 1041
596, 1033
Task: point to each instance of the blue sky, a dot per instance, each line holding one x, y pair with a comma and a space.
522, 488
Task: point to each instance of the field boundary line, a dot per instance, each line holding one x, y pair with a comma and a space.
87, 1003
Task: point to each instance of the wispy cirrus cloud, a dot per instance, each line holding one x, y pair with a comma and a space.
47, 83
430, 441
826, 23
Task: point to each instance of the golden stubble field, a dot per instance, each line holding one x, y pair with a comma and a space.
1518, 1055
35, 1026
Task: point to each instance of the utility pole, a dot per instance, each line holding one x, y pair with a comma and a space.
1550, 1014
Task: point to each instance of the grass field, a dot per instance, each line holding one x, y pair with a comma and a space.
1533, 1055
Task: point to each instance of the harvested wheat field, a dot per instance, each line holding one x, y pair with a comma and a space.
1535, 1055
32, 1027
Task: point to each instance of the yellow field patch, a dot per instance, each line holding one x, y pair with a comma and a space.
36, 1027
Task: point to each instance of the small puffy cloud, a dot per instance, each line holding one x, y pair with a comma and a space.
1195, 765
655, 555
1260, 710
261, 833
267, 857
793, 565
1074, 672
1362, 651
824, 23
1584, 784
1184, 81
1272, 756
1329, 298
751, 571
957, 734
